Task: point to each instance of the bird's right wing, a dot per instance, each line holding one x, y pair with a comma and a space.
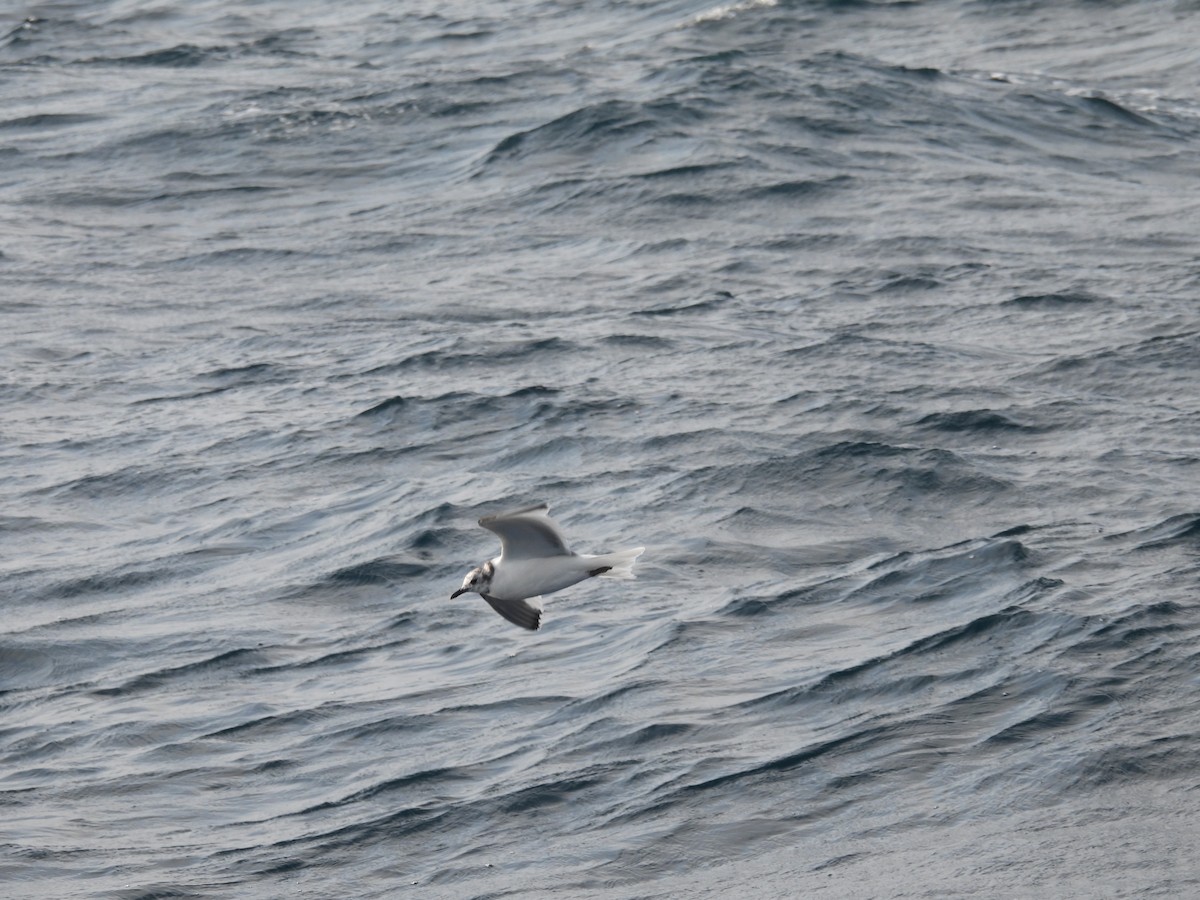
527, 534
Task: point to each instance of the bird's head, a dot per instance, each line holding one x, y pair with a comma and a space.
478, 580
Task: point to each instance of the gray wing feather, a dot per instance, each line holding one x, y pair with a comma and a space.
527, 533
516, 611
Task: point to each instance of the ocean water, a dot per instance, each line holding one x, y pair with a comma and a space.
876, 323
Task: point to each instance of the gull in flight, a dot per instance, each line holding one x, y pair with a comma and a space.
534, 560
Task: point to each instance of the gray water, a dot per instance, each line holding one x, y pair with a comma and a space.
876, 323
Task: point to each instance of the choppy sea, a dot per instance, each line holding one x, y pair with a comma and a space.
877, 323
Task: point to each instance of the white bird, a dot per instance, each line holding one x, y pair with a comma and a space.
534, 559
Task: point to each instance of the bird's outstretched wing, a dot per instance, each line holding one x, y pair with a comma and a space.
527, 534
519, 612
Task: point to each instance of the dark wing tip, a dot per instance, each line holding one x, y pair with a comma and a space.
516, 611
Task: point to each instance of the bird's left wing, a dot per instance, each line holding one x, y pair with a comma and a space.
519, 612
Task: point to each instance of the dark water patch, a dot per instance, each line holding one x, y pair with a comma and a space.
755, 517
979, 647
594, 128
667, 246
838, 861
1180, 530
371, 459
563, 451
639, 341
226, 379
158, 892
49, 120
116, 582
430, 540
43, 751
751, 607
463, 415
386, 571
925, 469
881, 475
1035, 112
525, 352
806, 241
336, 658
555, 793
699, 171
925, 580
1040, 113
849, 346
401, 622
716, 301
797, 189
1056, 301
697, 200
176, 398
971, 421
283, 867
855, 743
575, 129
983, 630
533, 390
1015, 531
699, 438
594, 411
905, 282
440, 816
580, 709
22, 668
177, 57
124, 483
425, 780
250, 373
664, 735
561, 195
1003, 693
399, 823
283, 724
920, 73
222, 665
502, 411
388, 407
275, 767
509, 706
933, 576
1128, 760
1134, 628
1040, 727
100, 197
237, 256
459, 32
1154, 369
1110, 109
388, 726
662, 731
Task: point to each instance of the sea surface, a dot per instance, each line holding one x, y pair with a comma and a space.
877, 323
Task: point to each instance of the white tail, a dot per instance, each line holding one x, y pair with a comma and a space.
620, 563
